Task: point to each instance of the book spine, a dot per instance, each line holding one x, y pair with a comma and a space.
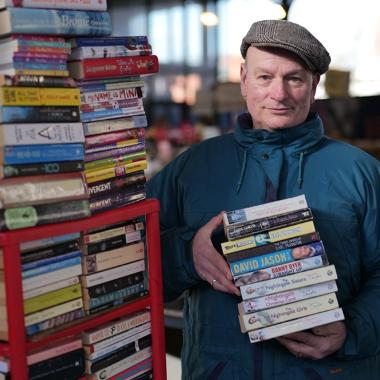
51, 277
293, 281
109, 51
112, 274
109, 84
113, 67
38, 81
96, 97
9, 171
23, 56
66, 366
34, 190
265, 210
27, 134
114, 328
112, 146
13, 155
109, 138
281, 270
268, 237
51, 299
122, 365
275, 258
140, 371
21, 66
287, 312
117, 171
52, 312
139, 146
108, 41
131, 104
55, 322
278, 299
49, 260
110, 201
240, 231
113, 258
112, 113
64, 347
125, 351
295, 325
115, 125
50, 287
90, 5
51, 267
277, 246
103, 187
138, 332
59, 22
39, 96
108, 287
47, 242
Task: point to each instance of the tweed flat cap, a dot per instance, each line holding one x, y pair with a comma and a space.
289, 36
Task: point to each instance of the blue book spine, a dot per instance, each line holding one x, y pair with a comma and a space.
110, 41
59, 22
118, 294
39, 66
275, 258
98, 87
51, 267
50, 260
106, 114
27, 154
54, 44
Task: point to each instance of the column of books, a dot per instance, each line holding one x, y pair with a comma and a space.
108, 71
278, 261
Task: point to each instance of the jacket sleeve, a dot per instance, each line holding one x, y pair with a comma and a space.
363, 312
179, 272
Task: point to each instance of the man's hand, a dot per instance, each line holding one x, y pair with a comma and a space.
209, 264
321, 342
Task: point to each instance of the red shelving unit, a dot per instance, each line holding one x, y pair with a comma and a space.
18, 343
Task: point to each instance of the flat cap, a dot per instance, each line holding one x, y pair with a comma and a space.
289, 36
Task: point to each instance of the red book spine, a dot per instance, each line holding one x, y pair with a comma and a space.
119, 66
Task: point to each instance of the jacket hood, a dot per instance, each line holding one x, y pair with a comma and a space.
297, 141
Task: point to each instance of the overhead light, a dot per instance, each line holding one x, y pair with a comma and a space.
209, 18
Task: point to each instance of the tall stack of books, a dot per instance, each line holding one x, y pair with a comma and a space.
121, 348
41, 132
279, 263
108, 73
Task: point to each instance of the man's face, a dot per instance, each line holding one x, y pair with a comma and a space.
277, 87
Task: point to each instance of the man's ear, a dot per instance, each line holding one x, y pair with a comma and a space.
316, 79
243, 78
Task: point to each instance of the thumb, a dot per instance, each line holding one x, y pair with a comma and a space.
214, 222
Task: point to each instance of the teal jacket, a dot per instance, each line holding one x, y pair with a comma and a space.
233, 171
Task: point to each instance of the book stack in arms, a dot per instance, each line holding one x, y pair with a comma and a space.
278, 261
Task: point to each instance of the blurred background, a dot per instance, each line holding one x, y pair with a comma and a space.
196, 94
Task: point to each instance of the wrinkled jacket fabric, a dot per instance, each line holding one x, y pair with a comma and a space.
233, 171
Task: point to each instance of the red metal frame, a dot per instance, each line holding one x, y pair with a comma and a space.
18, 343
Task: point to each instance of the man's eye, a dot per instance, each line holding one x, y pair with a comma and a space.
295, 79
264, 77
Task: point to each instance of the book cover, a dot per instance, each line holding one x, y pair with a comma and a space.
109, 51
54, 21
108, 41
98, 97
113, 67
90, 5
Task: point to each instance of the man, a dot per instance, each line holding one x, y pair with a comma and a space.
278, 150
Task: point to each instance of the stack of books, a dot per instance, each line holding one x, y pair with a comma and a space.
108, 72
120, 349
40, 130
278, 261
113, 266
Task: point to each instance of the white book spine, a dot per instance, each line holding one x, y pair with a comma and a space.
287, 312
296, 325
264, 210
285, 283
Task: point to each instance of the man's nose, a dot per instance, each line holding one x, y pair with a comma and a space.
278, 90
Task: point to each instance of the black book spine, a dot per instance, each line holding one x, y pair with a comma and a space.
42, 168
62, 367
120, 283
122, 353
56, 250
106, 245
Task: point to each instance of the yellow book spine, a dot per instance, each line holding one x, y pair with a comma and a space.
49, 73
107, 173
50, 299
39, 96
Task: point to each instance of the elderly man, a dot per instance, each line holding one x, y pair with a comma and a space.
278, 150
